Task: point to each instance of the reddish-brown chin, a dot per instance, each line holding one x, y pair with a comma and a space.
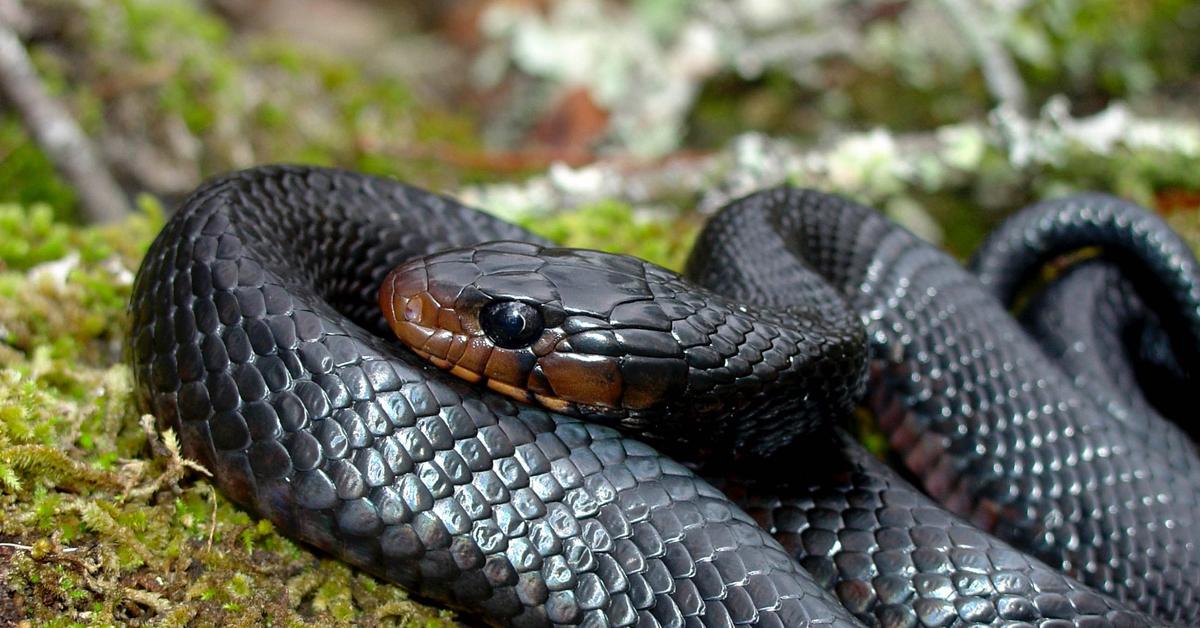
423, 325
586, 380
407, 308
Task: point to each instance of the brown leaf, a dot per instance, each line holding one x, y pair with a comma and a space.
572, 127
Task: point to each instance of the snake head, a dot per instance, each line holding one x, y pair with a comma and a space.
617, 340
575, 331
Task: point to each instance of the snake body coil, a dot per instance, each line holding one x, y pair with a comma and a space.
257, 337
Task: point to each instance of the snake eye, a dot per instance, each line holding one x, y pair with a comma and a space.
511, 324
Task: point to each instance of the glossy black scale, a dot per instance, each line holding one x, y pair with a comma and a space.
1098, 486
256, 336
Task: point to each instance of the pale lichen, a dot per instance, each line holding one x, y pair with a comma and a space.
964, 175
878, 62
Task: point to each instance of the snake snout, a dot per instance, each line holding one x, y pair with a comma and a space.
421, 321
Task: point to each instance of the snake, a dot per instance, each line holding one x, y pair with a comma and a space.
540, 436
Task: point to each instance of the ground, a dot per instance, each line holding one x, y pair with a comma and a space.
101, 520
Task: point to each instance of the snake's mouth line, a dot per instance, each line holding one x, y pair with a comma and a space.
514, 392
451, 340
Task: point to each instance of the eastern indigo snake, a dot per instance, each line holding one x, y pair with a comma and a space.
257, 335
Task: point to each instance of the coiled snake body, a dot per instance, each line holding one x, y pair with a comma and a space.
257, 335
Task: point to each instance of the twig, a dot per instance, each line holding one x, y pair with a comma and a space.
29, 548
212, 526
999, 71
57, 133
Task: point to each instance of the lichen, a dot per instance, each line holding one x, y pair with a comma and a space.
673, 72
951, 184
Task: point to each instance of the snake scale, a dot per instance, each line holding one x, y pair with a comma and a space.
257, 336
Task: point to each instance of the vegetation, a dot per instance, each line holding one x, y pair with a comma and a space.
102, 521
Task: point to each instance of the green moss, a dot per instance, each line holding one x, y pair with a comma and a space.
26, 176
1112, 47
1187, 223
617, 227
106, 523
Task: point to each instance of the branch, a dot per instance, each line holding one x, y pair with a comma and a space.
57, 133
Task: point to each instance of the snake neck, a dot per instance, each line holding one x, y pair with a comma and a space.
758, 252
759, 376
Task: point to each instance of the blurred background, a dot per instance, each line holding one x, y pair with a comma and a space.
616, 124
943, 112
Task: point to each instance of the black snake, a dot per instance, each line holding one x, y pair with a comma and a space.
257, 336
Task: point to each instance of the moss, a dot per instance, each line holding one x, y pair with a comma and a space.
26, 175
369, 123
617, 227
1104, 47
102, 521
1187, 223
